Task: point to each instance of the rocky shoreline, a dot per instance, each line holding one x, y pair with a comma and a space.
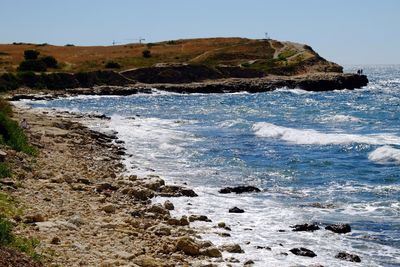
309, 82
86, 212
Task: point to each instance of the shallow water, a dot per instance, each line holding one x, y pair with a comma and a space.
340, 149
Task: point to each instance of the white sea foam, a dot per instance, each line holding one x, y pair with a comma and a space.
385, 155
313, 137
340, 118
296, 91
154, 142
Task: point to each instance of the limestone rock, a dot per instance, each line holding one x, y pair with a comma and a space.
168, 205
212, 252
232, 248
34, 218
203, 218
176, 191
110, 208
188, 246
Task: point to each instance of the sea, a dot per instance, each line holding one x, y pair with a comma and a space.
318, 157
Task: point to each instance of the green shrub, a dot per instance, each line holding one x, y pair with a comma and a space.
5, 107
24, 244
29, 78
146, 53
13, 136
5, 170
112, 65
8, 82
31, 54
6, 236
32, 65
50, 61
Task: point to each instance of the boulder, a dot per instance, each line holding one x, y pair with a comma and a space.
303, 252
153, 183
138, 193
188, 246
239, 189
202, 218
168, 205
232, 248
305, 227
212, 252
348, 257
176, 191
236, 210
339, 228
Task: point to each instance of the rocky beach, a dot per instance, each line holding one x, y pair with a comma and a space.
86, 212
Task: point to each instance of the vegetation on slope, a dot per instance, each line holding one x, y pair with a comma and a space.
269, 56
12, 137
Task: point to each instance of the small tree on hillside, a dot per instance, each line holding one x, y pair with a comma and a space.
50, 61
31, 54
146, 53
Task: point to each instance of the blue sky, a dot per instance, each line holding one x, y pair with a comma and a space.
344, 31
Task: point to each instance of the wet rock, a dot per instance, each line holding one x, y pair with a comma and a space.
138, 193
153, 183
157, 208
303, 252
305, 227
202, 218
348, 257
239, 189
212, 252
232, 260
248, 263
168, 205
176, 191
232, 248
188, 246
339, 228
263, 247
236, 210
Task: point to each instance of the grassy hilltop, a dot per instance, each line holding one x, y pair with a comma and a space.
268, 56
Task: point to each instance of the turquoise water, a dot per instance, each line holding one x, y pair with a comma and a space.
340, 149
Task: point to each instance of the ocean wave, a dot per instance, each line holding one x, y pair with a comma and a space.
313, 137
385, 155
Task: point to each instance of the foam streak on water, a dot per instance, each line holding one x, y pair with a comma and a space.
325, 157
